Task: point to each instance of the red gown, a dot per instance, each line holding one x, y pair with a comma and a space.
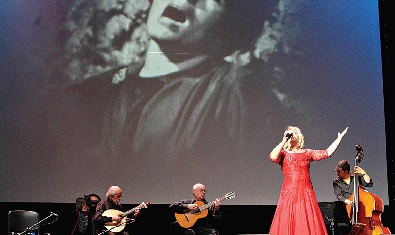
297, 211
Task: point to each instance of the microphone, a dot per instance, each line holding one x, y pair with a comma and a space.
54, 214
289, 135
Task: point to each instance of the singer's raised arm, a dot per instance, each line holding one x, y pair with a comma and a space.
332, 148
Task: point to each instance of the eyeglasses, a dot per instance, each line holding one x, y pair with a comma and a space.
202, 190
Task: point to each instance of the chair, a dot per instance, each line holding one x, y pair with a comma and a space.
189, 232
20, 220
176, 229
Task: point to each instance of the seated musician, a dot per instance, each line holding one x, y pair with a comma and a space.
344, 187
113, 197
201, 224
86, 208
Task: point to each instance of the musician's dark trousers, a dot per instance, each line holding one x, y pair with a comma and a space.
206, 231
177, 230
119, 233
343, 229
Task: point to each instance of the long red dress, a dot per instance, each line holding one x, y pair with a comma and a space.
297, 211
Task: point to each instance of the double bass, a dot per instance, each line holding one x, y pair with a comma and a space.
365, 215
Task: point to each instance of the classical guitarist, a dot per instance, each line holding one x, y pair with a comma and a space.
190, 220
109, 225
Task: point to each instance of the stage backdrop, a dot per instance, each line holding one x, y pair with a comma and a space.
79, 114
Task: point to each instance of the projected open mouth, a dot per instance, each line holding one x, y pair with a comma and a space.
175, 14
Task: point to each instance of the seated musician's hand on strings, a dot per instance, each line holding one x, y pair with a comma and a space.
349, 202
136, 212
358, 170
217, 203
192, 207
116, 219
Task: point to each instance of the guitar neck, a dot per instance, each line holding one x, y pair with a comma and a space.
204, 207
142, 205
126, 213
129, 211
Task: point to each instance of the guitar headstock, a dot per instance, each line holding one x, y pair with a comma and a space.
144, 205
230, 195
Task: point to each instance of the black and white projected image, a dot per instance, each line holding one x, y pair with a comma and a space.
156, 95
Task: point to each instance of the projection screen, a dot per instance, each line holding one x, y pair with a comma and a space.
155, 96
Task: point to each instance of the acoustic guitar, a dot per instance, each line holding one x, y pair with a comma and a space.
119, 226
188, 219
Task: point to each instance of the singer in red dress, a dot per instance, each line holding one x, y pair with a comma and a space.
297, 210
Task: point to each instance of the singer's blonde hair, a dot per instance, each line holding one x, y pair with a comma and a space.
297, 133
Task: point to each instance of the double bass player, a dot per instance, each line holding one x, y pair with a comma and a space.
343, 186
363, 208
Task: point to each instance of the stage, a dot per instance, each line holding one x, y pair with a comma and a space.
156, 219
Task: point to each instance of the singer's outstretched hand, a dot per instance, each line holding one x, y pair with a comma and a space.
332, 148
343, 133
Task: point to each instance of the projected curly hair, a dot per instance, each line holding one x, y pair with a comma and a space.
108, 36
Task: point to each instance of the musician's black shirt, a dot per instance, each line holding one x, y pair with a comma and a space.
202, 224
101, 207
343, 190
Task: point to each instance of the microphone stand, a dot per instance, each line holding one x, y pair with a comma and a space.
34, 225
332, 225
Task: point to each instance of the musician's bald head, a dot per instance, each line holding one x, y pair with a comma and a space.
199, 191
197, 186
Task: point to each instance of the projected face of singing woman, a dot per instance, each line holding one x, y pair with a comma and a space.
185, 22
